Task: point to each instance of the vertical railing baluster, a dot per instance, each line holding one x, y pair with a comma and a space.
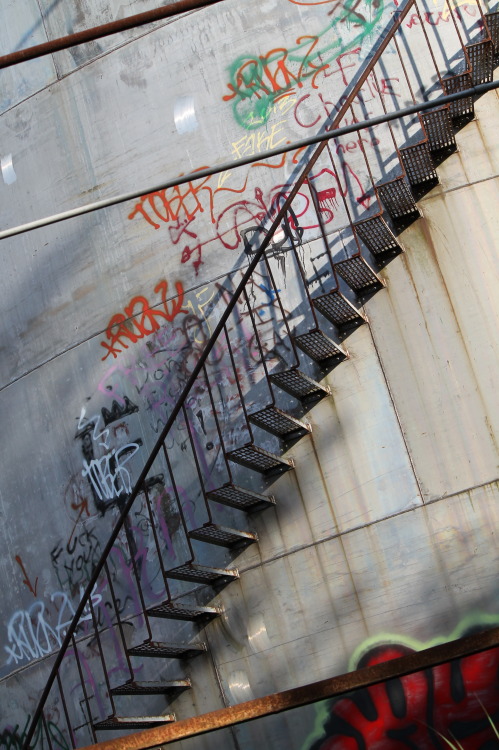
119, 621
136, 573
238, 385
217, 423
259, 344
101, 656
157, 544
47, 731
196, 463
179, 505
84, 689
65, 710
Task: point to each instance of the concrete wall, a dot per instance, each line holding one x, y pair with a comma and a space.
387, 524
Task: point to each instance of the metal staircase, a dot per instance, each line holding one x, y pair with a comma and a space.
268, 410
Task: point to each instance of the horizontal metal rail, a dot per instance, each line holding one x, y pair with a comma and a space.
106, 29
302, 696
336, 132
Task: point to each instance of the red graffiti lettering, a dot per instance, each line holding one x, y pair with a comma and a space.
140, 319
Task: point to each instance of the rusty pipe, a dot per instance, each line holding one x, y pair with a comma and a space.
199, 174
305, 695
106, 29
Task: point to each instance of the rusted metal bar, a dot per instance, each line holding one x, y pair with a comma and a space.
302, 696
106, 29
322, 138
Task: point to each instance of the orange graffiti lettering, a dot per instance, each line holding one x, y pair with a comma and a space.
139, 319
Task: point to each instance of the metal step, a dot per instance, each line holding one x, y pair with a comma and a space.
398, 201
258, 459
320, 348
171, 611
223, 536
481, 57
462, 110
359, 276
492, 21
378, 237
195, 573
418, 165
151, 688
134, 722
167, 650
237, 497
301, 386
439, 131
336, 308
279, 423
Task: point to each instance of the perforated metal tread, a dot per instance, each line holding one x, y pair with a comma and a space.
279, 423
418, 164
195, 573
492, 21
171, 611
151, 688
258, 459
439, 131
237, 497
462, 109
481, 57
134, 722
167, 650
223, 536
336, 308
320, 348
398, 200
359, 276
378, 237
301, 386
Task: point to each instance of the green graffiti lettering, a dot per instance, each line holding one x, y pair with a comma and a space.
257, 82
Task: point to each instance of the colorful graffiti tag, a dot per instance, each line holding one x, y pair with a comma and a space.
258, 81
455, 704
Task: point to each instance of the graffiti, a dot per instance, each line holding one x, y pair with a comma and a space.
75, 563
352, 15
173, 204
312, 109
434, 18
136, 550
257, 82
26, 580
107, 474
134, 324
254, 143
29, 634
181, 231
162, 364
419, 710
51, 737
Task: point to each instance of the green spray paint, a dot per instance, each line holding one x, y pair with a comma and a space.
476, 620
257, 82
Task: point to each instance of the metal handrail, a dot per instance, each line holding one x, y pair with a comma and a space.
105, 29
287, 700
219, 329
320, 138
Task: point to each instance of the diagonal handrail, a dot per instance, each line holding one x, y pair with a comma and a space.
281, 214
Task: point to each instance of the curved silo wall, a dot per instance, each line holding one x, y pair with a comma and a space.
386, 528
